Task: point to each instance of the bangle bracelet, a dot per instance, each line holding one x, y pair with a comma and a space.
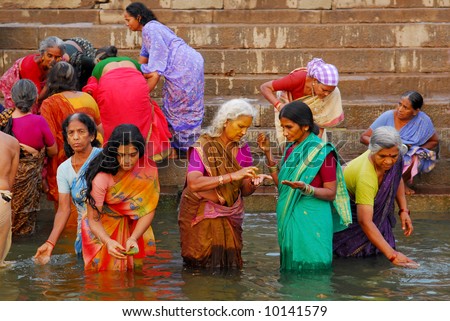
231, 178
220, 180
403, 210
277, 105
50, 242
273, 169
394, 256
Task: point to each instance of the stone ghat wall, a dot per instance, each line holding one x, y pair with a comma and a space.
381, 47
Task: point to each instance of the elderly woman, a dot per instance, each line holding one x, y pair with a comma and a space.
417, 132
34, 67
36, 141
374, 181
219, 174
315, 85
313, 202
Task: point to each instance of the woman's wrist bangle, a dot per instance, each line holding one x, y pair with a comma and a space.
220, 180
393, 256
231, 177
50, 242
308, 190
403, 210
277, 105
273, 169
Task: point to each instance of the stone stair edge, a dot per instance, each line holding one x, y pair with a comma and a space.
384, 100
218, 16
219, 25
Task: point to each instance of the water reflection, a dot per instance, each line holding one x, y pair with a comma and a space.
165, 278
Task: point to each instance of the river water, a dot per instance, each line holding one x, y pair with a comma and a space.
164, 278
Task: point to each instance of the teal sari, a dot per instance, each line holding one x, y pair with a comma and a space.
306, 224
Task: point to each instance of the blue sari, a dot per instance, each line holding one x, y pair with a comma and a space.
78, 193
414, 134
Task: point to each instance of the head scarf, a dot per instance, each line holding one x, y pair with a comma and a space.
326, 74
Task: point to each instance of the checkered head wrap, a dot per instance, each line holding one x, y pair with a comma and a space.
327, 74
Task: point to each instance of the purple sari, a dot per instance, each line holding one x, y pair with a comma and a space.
353, 241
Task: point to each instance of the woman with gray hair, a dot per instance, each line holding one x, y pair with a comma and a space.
34, 67
374, 181
219, 174
36, 141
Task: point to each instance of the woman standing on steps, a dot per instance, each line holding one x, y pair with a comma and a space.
316, 86
164, 54
34, 67
417, 132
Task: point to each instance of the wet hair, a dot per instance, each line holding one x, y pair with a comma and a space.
106, 52
24, 94
414, 98
138, 9
299, 113
107, 161
230, 110
61, 77
90, 125
52, 42
385, 137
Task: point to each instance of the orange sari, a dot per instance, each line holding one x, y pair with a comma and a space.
55, 109
134, 196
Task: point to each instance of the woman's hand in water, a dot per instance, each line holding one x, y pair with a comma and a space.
43, 254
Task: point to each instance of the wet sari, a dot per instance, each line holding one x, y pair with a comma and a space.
27, 191
134, 196
78, 194
211, 234
306, 224
353, 241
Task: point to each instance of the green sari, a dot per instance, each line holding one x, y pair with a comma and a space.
306, 224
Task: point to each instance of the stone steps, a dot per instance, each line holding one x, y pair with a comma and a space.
359, 114
227, 16
382, 48
435, 201
245, 36
431, 201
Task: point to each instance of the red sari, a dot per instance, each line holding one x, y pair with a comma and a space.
122, 95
